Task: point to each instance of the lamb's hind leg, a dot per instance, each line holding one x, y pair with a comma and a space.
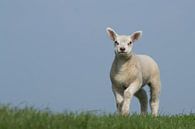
143, 99
154, 96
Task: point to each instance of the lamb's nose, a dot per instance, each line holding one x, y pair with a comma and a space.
122, 49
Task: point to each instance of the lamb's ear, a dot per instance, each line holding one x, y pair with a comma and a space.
111, 33
136, 36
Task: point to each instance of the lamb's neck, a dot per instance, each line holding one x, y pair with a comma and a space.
123, 60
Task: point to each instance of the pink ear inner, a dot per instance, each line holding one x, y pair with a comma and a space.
111, 34
136, 35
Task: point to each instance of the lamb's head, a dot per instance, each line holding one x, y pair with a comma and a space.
123, 44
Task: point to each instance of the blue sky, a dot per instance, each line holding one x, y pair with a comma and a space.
57, 54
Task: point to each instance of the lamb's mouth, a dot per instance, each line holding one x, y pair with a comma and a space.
122, 53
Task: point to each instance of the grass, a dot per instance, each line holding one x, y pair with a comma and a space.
30, 118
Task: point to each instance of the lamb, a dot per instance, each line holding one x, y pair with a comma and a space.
131, 72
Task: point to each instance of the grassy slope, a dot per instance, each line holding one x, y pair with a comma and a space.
29, 118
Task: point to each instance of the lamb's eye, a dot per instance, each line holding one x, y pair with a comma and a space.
129, 43
116, 43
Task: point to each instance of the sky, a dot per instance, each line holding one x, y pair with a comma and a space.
56, 53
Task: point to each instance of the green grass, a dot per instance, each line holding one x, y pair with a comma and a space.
30, 118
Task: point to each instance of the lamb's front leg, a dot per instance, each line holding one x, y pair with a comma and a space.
118, 93
128, 94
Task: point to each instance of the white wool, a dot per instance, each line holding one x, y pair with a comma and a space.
130, 72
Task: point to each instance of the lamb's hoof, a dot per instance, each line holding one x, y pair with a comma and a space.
155, 115
125, 114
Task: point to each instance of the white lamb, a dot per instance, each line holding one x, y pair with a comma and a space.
131, 72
